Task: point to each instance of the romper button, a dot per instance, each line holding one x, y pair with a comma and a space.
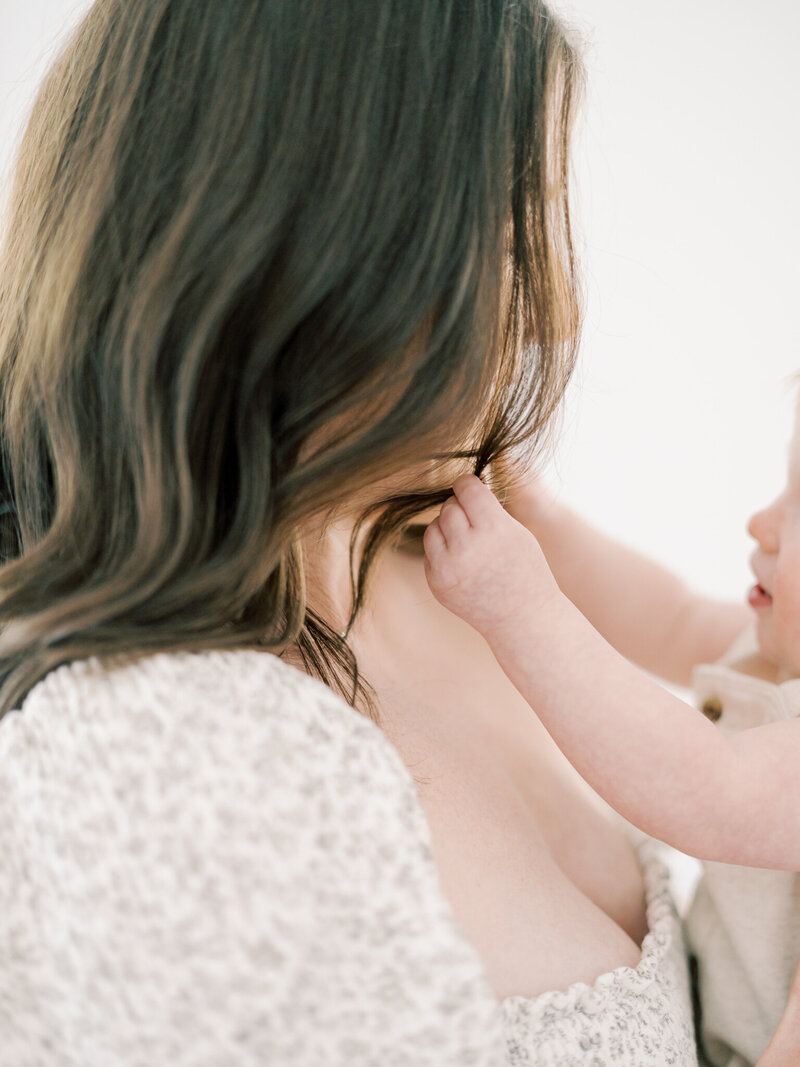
712, 709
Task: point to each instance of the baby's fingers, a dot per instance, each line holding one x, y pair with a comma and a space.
477, 499
433, 540
453, 521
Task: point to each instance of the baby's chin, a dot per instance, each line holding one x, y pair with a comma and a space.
776, 667
767, 663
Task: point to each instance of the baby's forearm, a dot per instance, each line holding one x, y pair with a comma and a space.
659, 622
655, 759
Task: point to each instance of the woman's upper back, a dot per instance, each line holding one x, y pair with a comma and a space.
211, 858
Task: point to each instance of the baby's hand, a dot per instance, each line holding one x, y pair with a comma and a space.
481, 563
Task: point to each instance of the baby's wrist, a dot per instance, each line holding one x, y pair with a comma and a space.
538, 622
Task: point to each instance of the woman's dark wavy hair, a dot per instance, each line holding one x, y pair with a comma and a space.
259, 255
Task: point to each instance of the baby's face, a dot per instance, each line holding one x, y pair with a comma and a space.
776, 566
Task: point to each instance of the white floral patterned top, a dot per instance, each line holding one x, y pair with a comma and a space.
211, 860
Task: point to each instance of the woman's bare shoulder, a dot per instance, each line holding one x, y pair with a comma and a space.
533, 927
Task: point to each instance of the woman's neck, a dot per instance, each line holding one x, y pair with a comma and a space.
326, 561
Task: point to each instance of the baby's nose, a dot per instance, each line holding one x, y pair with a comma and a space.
763, 527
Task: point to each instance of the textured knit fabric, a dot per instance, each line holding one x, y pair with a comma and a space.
211, 860
744, 922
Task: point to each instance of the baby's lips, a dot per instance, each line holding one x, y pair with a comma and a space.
758, 597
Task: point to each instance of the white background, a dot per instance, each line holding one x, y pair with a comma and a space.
687, 180
687, 176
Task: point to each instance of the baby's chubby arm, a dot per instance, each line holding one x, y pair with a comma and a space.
644, 610
655, 759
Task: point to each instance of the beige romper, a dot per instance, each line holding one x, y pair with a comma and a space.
744, 923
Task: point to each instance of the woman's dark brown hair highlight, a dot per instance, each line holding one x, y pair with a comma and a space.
259, 255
